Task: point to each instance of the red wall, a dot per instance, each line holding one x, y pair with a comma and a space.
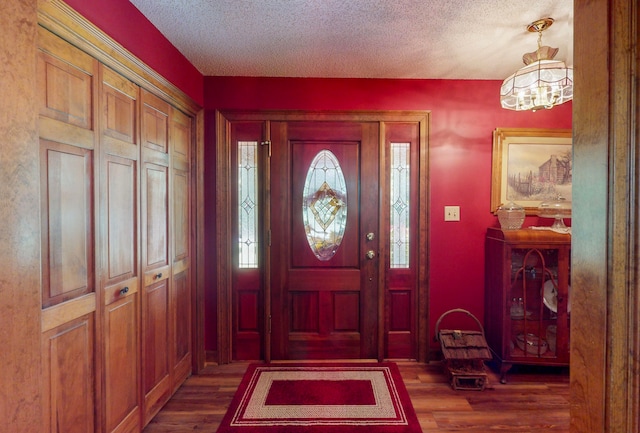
463, 115
121, 20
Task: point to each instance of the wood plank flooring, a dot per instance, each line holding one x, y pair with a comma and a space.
535, 399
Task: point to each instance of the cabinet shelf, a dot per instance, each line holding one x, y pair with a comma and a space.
527, 282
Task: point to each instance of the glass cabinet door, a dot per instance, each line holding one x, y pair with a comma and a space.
532, 302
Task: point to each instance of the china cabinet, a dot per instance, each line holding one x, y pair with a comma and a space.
527, 297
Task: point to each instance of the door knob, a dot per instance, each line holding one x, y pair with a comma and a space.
370, 236
371, 254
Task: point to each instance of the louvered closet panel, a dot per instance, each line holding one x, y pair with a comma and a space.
156, 267
120, 258
66, 88
180, 135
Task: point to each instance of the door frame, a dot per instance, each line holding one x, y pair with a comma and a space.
225, 186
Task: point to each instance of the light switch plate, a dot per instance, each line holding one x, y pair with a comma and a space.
452, 213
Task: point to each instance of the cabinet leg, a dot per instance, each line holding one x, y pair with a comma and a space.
504, 368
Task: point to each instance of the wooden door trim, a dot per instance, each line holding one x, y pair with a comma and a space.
605, 342
197, 246
224, 222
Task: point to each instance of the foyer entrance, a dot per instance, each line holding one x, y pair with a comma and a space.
321, 264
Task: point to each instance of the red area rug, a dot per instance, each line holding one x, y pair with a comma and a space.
327, 398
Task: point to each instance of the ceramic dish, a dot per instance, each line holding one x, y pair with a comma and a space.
550, 297
533, 343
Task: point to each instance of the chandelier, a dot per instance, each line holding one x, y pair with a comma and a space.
543, 82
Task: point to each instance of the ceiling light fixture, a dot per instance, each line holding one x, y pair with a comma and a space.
543, 82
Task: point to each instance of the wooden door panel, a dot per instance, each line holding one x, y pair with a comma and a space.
304, 311
68, 397
120, 253
180, 136
155, 216
312, 347
247, 315
156, 319
155, 331
121, 215
155, 123
67, 215
121, 368
65, 80
119, 108
182, 321
400, 301
346, 308
182, 305
62, 81
324, 308
321, 279
325, 312
181, 213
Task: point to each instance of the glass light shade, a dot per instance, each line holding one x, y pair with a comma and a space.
558, 209
539, 85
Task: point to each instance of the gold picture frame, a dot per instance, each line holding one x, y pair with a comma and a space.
530, 166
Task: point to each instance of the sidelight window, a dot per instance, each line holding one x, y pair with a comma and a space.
399, 210
248, 204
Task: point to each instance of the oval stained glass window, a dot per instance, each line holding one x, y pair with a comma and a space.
324, 205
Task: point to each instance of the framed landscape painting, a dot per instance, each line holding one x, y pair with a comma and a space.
530, 166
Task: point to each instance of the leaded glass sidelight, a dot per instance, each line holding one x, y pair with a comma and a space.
399, 237
248, 204
324, 205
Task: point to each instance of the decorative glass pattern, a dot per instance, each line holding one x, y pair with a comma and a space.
399, 205
324, 205
248, 204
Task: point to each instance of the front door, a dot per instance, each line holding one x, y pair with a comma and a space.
324, 215
321, 222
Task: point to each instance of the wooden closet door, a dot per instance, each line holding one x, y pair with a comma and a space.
118, 204
156, 268
116, 335
180, 138
66, 80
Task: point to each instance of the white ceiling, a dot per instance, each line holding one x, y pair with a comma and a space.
450, 39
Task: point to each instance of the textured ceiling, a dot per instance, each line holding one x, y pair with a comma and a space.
451, 39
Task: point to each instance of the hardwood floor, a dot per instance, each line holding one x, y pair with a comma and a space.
535, 399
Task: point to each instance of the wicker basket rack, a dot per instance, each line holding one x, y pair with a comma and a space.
464, 352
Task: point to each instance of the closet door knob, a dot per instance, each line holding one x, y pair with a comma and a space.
124, 290
159, 275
